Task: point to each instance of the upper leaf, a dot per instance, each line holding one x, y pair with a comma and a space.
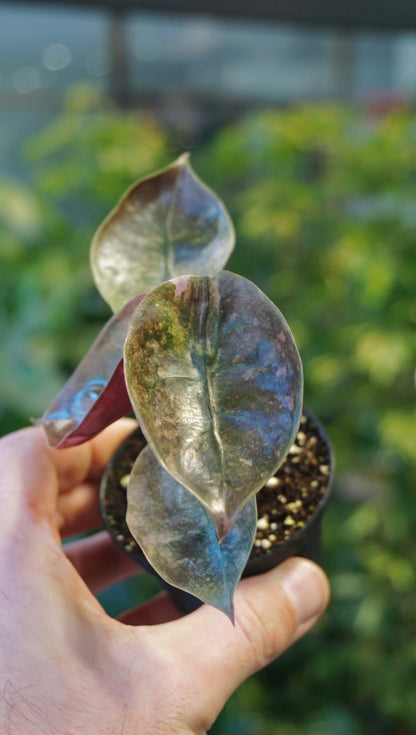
95, 395
166, 225
178, 537
215, 379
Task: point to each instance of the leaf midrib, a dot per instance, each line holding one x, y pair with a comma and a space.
209, 326
167, 234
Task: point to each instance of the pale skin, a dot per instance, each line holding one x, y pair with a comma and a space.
66, 667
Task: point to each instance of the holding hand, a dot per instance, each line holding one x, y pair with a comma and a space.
70, 669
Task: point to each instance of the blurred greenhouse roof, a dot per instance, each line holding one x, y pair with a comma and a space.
196, 64
353, 14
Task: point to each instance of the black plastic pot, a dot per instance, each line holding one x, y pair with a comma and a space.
305, 541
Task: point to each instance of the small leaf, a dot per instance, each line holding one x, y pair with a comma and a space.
178, 537
95, 394
215, 379
166, 225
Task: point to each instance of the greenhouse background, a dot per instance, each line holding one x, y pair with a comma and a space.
306, 127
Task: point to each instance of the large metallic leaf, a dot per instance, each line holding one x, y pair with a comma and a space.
95, 394
166, 225
215, 379
179, 539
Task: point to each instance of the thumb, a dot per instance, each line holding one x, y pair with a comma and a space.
272, 611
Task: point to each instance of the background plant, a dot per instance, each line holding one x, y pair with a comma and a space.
322, 198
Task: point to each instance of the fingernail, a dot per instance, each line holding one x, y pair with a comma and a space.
306, 587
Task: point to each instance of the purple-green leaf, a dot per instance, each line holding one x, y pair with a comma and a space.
178, 536
166, 225
95, 395
215, 379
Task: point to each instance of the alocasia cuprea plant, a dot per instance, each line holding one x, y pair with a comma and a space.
210, 368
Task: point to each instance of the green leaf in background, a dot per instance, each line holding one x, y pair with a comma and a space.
215, 379
166, 225
178, 536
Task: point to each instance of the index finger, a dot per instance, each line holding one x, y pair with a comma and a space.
86, 462
32, 474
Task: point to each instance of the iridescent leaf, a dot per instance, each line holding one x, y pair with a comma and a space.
95, 394
215, 379
166, 225
179, 539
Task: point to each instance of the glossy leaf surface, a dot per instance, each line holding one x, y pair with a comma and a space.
178, 536
95, 395
166, 225
215, 379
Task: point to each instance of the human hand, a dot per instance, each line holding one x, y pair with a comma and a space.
68, 668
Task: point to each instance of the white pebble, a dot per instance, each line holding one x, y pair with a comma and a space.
293, 507
266, 544
262, 523
273, 482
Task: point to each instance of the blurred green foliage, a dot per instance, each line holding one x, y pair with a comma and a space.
323, 202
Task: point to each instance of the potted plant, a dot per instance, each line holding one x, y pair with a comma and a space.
210, 368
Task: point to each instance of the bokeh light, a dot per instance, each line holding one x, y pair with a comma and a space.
57, 56
27, 79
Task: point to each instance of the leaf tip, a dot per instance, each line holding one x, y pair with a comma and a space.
226, 605
184, 159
